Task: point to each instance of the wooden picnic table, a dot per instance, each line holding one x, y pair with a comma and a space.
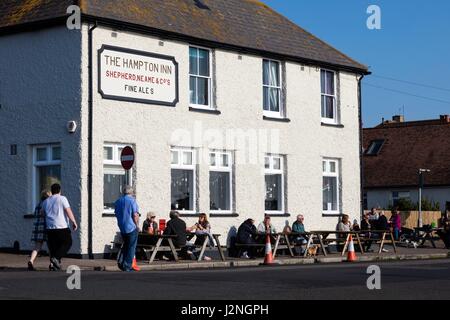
384, 234
426, 234
154, 244
145, 242
359, 237
204, 244
322, 236
278, 245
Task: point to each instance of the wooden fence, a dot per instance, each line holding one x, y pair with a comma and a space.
410, 218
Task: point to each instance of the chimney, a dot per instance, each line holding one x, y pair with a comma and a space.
398, 119
445, 119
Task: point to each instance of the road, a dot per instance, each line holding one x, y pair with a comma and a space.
404, 280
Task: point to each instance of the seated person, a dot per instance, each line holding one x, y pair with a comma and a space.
365, 222
246, 235
344, 225
373, 218
202, 230
382, 223
299, 228
373, 215
150, 226
356, 226
445, 234
366, 227
177, 227
265, 228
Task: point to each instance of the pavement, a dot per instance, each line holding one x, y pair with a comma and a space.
424, 279
18, 262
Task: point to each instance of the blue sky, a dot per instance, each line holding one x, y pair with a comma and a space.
413, 45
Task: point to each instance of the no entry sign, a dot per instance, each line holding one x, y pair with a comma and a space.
127, 158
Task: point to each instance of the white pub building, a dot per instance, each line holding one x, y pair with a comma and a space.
231, 109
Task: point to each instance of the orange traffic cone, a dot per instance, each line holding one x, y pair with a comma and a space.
351, 255
134, 266
268, 259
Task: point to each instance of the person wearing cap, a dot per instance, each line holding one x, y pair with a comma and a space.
150, 226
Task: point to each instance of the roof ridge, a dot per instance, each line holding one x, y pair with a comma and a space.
273, 33
411, 124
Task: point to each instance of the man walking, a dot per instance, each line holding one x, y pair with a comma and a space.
127, 214
57, 215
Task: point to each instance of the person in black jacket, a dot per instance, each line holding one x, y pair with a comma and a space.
176, 227
382, 223
366, 227
246, 235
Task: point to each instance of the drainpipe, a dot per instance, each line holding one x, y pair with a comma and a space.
90, 141
361, 164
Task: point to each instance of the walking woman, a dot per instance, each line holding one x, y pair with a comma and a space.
39, 234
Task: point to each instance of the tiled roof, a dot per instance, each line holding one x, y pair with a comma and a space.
408, 147
17, 12
241, 23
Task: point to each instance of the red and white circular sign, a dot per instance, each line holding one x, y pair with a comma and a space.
127, 158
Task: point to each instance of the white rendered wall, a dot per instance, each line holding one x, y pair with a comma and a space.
40, 91
152, 130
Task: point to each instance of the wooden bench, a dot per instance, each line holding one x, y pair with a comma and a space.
275, 247
144, 244
152, 244
384, 236
203, 246
342, 237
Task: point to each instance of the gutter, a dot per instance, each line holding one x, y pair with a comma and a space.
361, 164
127, 26
169, 35
90, 140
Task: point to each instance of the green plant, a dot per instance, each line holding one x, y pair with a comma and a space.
407, 205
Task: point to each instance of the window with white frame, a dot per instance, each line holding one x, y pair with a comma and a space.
272, 88
183, 179
114, 176
330, 186
220, 181
46, 169
200, 84
329, 100
274, 181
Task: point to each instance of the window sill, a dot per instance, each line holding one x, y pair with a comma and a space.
331, 215
188, 215
201, 110
108, 215
276, 119
335, 125
223, 215
275, 215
